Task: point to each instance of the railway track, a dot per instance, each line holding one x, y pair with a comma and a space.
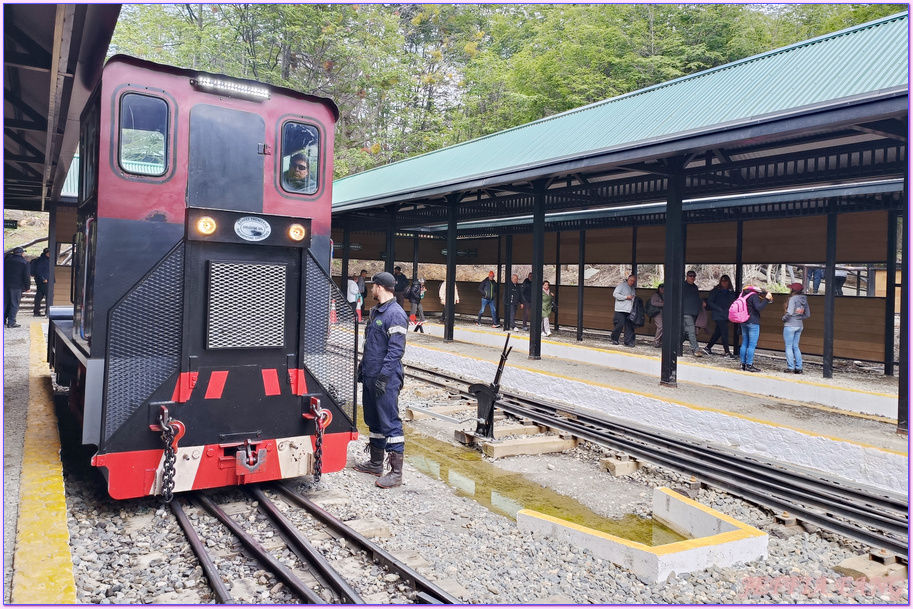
325, 584
873, 516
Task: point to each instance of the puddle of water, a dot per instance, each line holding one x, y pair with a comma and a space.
507, 493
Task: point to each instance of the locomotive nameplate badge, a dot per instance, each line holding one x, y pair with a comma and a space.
250, 228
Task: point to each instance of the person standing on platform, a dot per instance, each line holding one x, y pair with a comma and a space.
719, 300
488, 289
353, 296
381, 375
442, 293
526, 295
41, 271
654, 309
751, 329
546, 309
795, 312
16, 280
624, 301
513, 298
839, 280
417, 312
402, 284
691, 308
363, 288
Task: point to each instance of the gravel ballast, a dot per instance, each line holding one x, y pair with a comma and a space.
133, 551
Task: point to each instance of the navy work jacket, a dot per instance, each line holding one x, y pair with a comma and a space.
385, 341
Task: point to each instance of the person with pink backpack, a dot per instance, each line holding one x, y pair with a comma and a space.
746, 310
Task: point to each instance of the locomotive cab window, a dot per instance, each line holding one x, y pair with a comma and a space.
143, 135
299, 158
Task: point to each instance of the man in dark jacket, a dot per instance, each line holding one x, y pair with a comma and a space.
513, 297
402, 284
381, 372
691, 308
488, 289
16, 280
41, 271
526, 298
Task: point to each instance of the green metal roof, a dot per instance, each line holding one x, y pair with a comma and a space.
854, 62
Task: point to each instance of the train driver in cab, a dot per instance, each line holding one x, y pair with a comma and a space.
298, 176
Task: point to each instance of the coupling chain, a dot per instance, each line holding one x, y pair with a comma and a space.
168, 466
320, 421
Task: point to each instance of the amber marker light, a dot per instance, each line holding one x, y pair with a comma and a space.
296, 232
206, 225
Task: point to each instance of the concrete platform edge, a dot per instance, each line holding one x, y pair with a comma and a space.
42, 562
841, 399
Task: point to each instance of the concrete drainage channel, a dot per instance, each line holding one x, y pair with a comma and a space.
714, 539
682, 536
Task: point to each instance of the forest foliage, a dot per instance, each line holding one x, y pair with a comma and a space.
411, 78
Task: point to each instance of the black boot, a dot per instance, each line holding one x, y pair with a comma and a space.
376, 465
395, 476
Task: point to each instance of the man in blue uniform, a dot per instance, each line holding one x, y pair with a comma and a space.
381, 372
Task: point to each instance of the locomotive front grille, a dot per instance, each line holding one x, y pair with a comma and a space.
246, 305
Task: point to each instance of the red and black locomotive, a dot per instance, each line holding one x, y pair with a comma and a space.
204, 347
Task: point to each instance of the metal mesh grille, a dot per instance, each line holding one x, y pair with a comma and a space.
329, 337
246, 305
144, 340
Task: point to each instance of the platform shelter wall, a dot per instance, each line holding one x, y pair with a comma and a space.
859, 329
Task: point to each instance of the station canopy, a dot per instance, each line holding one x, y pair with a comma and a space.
52, 57
793, 131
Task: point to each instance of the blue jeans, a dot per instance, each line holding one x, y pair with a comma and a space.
791, 336
491, 305
817, 276
750, 334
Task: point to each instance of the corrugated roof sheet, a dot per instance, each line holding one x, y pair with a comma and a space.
856, 61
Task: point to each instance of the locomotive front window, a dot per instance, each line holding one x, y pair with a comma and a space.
299, 158
143, 135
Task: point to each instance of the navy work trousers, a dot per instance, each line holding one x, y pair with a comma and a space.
382, 414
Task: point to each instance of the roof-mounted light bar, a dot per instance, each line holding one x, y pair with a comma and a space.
230, 88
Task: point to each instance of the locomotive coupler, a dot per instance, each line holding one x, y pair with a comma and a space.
249, 458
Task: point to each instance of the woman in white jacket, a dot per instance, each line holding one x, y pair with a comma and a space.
353, 295
443, 293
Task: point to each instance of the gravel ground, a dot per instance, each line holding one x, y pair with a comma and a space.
133, 552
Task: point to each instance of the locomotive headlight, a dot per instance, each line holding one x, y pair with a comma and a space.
206, 225
296, 232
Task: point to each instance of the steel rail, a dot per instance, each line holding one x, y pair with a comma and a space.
280, 570
773, 485
316, 560
778, 472
223, 597
736, 485
427, 591
767, 474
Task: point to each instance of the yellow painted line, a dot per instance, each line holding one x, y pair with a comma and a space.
686, 404
743, 531
43, 565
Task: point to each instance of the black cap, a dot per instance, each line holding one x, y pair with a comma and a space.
384, 279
